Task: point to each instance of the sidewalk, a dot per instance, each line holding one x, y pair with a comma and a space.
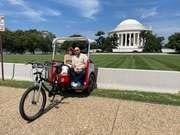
89, 115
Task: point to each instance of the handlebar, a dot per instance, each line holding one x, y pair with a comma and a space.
38, 64
44, 64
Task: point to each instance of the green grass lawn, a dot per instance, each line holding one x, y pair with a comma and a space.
149, 97
15, 84
149, 62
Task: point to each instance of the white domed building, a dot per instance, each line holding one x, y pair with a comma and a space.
128, 33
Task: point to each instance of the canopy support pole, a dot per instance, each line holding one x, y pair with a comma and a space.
54, 49
89, 49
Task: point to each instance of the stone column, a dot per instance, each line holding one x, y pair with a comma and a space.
119, 39
120, 44
134, 39
130, 39
142, 42
138, 40
125, 39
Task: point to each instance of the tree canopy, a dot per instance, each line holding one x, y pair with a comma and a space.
106, 44
20, 41
174, 42
152, 43
81, 44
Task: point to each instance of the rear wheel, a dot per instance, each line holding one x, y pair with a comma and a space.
91, 84
32, 103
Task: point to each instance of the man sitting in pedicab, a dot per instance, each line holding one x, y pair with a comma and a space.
79, 61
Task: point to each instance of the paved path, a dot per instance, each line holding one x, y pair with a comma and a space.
89, 115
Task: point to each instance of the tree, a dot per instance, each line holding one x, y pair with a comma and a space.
110, 43
8, 40
174, 42
94, 45
99, 33
20, 44
20, 41
100, 39
46, 39
107, 45
114, 39
152, 42
81, 44
33, 42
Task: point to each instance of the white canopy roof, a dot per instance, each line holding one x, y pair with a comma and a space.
61, 40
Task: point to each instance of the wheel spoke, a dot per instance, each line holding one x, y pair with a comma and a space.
29, 107
33, 97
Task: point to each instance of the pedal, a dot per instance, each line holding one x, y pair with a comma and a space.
51, 93
51, 100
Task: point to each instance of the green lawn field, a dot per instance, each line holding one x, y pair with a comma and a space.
149, 62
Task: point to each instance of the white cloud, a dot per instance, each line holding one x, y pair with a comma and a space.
87, 8
27, 11
52, 12
16, 2
35, 15
145, 13
167, 30
177, 14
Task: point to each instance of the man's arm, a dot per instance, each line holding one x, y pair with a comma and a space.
85, 59
65, 59
73, 62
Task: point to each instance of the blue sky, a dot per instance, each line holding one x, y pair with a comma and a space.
66, 17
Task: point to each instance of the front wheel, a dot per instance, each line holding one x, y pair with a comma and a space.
32, 103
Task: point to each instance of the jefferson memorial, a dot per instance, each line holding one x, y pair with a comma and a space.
128, 33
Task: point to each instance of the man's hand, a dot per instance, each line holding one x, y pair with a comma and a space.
77, 70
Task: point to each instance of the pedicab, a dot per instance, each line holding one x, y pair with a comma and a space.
50, 79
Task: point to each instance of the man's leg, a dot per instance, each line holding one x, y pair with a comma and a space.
80, 77
74, 76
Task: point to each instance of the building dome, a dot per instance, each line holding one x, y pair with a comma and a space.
130, 24
129, 39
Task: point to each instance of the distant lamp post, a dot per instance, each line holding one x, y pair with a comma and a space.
2, 29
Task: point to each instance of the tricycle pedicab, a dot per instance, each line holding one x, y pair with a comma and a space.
33, 101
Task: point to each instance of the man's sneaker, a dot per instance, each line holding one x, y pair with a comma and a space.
78, 84
73, 84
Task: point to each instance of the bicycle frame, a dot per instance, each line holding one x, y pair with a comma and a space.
39, 80
40, 83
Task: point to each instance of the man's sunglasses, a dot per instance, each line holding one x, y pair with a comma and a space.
76, 50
